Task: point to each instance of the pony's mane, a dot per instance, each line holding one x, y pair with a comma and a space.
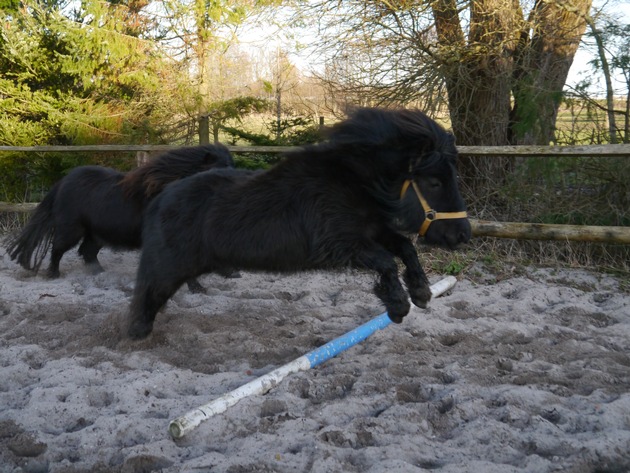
385, 145
150, 179
376, 143
368, 129
377, 126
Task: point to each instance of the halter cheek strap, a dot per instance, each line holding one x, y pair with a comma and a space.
429, 214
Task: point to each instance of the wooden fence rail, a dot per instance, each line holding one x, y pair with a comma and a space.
595, 151
545, 231
514, 230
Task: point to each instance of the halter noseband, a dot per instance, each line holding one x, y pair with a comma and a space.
429, 214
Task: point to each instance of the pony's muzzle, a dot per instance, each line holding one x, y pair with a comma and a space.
449, 233
460, 236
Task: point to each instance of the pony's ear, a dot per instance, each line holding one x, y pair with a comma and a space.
218, 154
210, 158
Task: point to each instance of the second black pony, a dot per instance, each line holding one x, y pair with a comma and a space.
104, 207
343, 202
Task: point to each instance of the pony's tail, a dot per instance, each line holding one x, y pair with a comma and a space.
29, 247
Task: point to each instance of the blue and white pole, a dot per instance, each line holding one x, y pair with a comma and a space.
180, 426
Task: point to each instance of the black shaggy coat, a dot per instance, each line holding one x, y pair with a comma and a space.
329, 205
99, 206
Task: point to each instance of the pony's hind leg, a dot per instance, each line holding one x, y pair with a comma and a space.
89, 251
55, 257
389, 288
195, 286
65, 238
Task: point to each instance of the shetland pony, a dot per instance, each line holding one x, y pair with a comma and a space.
344, 202
99, 206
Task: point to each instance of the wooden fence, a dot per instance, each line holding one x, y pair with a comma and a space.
515, 230
590, 150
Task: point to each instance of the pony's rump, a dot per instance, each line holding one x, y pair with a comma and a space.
29, 247
151, 177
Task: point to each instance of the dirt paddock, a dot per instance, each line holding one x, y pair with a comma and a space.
525, 373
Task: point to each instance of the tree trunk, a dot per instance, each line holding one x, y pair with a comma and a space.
505, 80
215, 131
478, 72
204, 130
543, 60
610, 92
478, 75
626, 127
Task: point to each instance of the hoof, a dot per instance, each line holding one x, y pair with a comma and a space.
420, 303
421, 297
398, 312
95, 268
195, 288
229, 273
138, 331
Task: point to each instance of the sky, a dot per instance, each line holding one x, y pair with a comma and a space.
580, 68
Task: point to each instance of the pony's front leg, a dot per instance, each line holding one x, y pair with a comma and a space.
415, 277
142, 312
147, 301
388, 288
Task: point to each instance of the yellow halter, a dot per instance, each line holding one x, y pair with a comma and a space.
429, 214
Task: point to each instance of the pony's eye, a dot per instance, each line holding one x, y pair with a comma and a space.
434, 183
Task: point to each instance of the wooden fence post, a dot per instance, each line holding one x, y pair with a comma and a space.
142, 157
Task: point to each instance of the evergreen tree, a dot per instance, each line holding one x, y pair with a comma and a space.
73, 82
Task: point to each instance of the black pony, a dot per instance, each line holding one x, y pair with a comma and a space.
342, 202
104, 207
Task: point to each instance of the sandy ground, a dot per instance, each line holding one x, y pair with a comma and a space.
527, 372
